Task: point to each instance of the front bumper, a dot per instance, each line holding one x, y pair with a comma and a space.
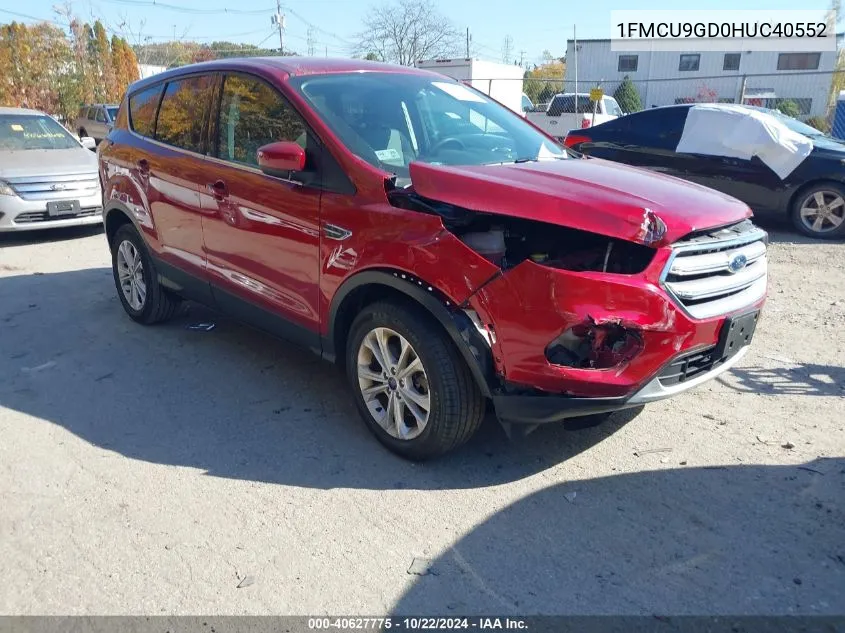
542, 409
17, 214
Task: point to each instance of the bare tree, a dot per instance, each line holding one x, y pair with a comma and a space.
404, 31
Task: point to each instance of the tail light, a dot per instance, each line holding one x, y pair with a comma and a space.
572, 140
585, 123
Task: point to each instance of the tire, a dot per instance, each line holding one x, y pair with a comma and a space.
156, 304
456, 406
807, 201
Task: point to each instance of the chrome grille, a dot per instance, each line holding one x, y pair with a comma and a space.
65, 187
700, 276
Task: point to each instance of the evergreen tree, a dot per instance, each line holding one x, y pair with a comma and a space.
627, 97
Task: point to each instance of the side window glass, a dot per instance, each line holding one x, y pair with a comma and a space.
252, 114
90, 114
101, 116
671, 129
183, 112
142, 110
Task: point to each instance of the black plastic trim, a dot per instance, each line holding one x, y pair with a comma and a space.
472, 347
263, 319
534, 409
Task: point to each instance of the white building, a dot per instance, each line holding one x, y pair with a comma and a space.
148, 70
666, 77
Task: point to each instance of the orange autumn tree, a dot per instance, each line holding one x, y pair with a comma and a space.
44, 67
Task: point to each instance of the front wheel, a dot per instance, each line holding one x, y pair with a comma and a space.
411, 386
820, 211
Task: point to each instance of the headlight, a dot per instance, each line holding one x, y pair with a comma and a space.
6, 189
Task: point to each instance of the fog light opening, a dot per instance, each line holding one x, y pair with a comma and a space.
591, 345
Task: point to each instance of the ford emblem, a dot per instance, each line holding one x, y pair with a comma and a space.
738, 263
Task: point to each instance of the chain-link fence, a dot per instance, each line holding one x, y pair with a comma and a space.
808, 96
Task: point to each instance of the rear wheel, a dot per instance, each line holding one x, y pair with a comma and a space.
413, 390
819, 211
136, 279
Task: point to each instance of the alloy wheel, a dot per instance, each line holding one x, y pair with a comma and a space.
823, 211
393, 383
130, 273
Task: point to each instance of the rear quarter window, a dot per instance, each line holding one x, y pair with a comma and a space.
142, 110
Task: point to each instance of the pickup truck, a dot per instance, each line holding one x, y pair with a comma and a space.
561, 116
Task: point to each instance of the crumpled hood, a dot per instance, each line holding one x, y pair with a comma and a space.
47, 162
588, 194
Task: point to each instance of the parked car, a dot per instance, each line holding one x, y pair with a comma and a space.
430, 241
96, 120
812, 194
48, 178
565, 112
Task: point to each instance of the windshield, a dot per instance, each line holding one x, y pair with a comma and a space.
26, 131
112, 110
391, 119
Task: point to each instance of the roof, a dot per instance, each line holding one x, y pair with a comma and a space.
26, 111
285, 66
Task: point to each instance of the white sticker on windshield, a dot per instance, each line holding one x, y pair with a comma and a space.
388, 154
462, 93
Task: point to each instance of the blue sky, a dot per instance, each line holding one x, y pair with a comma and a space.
534, 26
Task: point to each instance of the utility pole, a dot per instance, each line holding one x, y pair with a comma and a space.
468, 40
507, 49
575, 51
279, 20
311, 47
522, 58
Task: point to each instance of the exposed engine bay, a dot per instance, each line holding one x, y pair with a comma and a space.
508, 241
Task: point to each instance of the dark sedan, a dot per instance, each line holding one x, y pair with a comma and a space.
812, 194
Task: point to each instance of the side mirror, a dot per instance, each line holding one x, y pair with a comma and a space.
88, 143
277, 159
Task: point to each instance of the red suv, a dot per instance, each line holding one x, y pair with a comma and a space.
440, 248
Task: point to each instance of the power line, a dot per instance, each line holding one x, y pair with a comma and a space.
317, 28
181, 9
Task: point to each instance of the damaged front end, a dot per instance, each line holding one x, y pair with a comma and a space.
569, 312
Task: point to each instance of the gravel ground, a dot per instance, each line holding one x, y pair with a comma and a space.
154, 470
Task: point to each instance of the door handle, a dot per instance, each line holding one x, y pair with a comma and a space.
218, 189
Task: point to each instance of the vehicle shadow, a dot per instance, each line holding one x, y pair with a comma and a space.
781, 231
231, 401
803, 379
44, 236
750, 540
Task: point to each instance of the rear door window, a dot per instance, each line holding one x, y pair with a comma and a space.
658, 128
184, 111
142, 110
100, 116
